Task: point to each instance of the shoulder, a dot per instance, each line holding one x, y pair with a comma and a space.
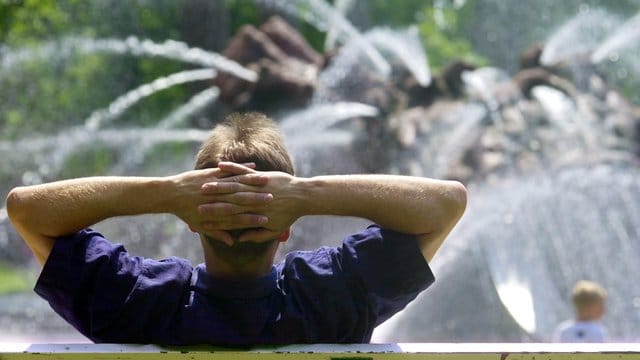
561, 331
381, 240
78, 254
597, 330
580, 331
375, 259
169, 270
98, 287
372, 242
565, 324
318, 262
357, 285
88, 257
377, 253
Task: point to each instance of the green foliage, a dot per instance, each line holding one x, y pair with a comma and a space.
442, 33
621, 75
314, 37
29, 20
39, 96
160, 104
89, 161
397, 13
167, 154
13, 280
242, 12
43, 94
441, 25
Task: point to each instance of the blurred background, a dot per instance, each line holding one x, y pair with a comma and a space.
534, 105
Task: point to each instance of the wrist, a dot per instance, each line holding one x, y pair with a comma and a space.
165, 191
309, 196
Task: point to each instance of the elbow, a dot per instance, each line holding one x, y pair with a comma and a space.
453, 204
458, 196
445, 209
15, 203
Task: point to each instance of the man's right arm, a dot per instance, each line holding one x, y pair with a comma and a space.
42, 213
426, 208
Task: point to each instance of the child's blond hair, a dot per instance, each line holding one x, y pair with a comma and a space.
586, 293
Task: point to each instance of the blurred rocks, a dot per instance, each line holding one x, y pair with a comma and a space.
287, 67
468, 124
538, 119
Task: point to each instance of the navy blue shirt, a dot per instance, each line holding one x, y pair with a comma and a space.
329, 295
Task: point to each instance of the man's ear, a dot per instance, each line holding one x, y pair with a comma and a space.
284, 236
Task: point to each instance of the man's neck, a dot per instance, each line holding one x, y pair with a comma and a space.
222, 268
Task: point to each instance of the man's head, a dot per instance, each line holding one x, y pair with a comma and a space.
589, 300
246, 137
242, 138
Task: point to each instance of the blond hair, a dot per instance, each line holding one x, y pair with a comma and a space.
246, 137
586, 293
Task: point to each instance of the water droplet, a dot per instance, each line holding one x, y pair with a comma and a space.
44, 169
508, 218
622, 73
31, 178
584, 8
534, 145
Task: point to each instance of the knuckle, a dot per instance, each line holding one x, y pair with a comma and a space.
228, 209
253, 219
217, 209
244, 198
223, 187
246, 219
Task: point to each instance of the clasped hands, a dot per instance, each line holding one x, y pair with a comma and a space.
235, 196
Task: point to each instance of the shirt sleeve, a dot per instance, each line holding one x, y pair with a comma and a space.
108, 295
388, 265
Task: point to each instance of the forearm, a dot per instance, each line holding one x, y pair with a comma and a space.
426, 208
407, 204
41, 213
63, 207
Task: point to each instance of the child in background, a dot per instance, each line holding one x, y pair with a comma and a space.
589, 303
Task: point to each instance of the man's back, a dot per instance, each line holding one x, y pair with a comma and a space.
335, 295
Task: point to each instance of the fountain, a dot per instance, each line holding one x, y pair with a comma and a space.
170, 49
323, 16
406, 46
579, 36
623, 37
551, 168
122, 103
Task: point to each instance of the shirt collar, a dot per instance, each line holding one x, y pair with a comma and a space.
206, 283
